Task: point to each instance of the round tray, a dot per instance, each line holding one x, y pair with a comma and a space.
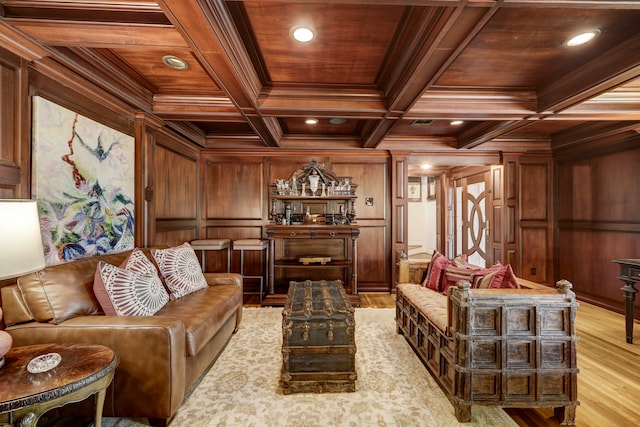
44, 363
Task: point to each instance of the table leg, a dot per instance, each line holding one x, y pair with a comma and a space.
99, 405
629, 301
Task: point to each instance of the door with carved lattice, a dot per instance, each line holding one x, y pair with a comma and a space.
472, 223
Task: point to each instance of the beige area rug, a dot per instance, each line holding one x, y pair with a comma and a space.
393, 388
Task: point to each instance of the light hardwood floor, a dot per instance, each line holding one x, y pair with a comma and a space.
609, 378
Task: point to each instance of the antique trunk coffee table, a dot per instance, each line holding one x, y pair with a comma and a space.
318, 339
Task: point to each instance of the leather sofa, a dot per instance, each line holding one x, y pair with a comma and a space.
161, 356
497, 347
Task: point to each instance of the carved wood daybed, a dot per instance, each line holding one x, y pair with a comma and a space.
502, 347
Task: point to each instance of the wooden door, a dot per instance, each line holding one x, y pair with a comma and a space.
472, 228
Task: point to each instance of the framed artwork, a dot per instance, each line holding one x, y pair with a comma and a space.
83, 180
431, 188
414, 192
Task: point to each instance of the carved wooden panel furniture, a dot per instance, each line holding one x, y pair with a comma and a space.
502, 347
318, 339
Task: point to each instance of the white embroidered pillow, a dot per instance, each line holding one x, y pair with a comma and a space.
129, 293
180, 268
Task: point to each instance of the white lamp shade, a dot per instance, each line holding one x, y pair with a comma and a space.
20, 239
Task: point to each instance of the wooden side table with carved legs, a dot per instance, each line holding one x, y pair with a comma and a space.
83, 370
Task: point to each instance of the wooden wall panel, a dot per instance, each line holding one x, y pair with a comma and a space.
14, 124
534, 221
534, 192
175, 237
372, 255
534, 242
175, 188
372, 183
598, 210
234, 190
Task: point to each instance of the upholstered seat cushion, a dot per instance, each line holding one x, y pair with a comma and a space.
203, 313
432, 304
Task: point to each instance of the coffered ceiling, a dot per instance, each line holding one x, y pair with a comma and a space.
379, 74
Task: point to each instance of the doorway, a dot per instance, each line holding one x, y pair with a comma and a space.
472, 224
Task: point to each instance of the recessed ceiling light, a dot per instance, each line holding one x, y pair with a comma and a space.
582, 38
311, 121
337, 121
303, 34
175, 62
425, 166
456, 122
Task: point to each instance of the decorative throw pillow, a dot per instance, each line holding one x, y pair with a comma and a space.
453, 274
498, 276
180, 268
435, 272
128, 293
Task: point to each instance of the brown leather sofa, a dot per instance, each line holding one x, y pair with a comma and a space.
161, 356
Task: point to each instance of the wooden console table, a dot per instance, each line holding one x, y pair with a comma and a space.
291, 243
630, 275
83, 371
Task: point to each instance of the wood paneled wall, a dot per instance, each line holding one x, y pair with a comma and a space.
235, 196
520, 211
598, 201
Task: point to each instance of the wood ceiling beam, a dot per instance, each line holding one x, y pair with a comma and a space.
480, 104
591, 4
614, 68
319, 102
20, 44
113, 5
428, 61
196, 108
219, 49
487, 131
592, 132
100, 34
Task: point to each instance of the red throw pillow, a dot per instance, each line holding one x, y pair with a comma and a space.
436, 271
498, 276
452, 275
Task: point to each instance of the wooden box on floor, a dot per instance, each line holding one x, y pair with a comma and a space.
318, 339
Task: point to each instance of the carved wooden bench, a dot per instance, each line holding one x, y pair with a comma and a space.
500, 347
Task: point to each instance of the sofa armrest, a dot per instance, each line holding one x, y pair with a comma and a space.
151, 350
214, 279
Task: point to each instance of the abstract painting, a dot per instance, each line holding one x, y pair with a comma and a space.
83, 180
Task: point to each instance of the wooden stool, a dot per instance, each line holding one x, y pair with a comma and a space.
253, 245
212, 245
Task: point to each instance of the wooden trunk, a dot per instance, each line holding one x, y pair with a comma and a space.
318, 339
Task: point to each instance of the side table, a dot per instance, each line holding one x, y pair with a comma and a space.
630, 275
83, 371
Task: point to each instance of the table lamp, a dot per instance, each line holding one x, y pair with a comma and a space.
20, 248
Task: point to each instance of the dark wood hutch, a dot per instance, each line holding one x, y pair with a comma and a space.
312, 231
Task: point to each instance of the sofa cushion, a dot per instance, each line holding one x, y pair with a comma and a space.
432, 304
203, 313
435, 272
64, 291
180, 269
452, 275
498, 276
129, 293
15, 308
136, 291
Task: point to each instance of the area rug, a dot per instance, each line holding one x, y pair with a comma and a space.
393, 387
